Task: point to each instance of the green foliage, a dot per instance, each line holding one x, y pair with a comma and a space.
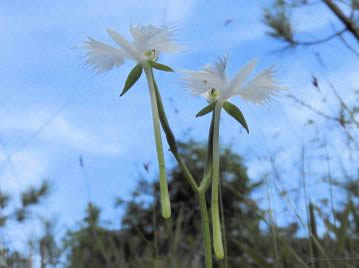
132, 78
236, 113
4, 200
163, 119
46, 246
145, 239
159, 66
93, 246
278, 21
33, 195
13, 259
209, 108
29, 198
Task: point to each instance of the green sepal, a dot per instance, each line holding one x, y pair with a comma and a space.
132, 78
209, 108
236, 113
159, 66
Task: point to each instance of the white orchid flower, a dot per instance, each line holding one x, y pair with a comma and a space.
148, 42
212, 83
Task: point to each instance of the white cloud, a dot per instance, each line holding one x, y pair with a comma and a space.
23, 169
60, 132
64, 132
179, 9
78, 14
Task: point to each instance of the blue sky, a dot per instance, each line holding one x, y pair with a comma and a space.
53, 110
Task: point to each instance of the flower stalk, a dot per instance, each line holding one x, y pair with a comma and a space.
205, 229
165, 200
205, 183
217, 233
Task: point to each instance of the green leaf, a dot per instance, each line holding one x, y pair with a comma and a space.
163, 118
207, 109
160, 66
132, 78
236, 113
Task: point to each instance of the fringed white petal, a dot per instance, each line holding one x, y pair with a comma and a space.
202, 81
239, 78
160, 39
261, 89
221, 66
125, 45
102, 57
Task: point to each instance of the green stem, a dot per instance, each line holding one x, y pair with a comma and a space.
217, 233
223, 226
165, 201
171, 139
205, 229
208, 171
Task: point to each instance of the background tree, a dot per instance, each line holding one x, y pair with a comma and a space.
333, 123
252, 237
278, 19
31, 197
93, 246
146, 239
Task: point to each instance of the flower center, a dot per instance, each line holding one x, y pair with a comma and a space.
213, 95
151, 55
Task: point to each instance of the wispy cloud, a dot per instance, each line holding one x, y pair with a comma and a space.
178, 10
59, 131
25, 168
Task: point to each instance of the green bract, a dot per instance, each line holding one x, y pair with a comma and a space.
209, 108
159, 66
132, 78
236, 113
